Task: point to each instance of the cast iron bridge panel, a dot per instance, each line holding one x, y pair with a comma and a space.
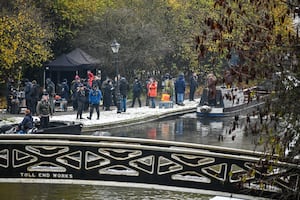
59, 159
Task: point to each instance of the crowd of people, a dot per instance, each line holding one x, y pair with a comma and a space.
87, 94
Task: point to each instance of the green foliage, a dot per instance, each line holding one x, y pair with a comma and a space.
24, 41
261, 34
154, 35
254, 30
68, 17
29, 29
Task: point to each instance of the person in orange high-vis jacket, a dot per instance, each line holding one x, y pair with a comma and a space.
152, 91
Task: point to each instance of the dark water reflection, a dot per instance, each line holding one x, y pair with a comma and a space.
88, 192
189, 128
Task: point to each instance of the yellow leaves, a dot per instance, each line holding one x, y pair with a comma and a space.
23, 40
283, 23
77, 12
175, 4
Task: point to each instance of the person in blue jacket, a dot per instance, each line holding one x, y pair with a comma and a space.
95, 95
26, 124
180, 89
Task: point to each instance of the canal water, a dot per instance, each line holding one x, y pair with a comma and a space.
191, 129
186, 128
88, 192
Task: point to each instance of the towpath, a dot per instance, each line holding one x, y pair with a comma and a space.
109, 119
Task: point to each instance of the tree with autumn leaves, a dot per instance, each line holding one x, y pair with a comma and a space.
24, 41
261, 37
157, 35
33, 32
259, 32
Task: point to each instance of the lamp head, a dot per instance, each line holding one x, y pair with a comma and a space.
115, 46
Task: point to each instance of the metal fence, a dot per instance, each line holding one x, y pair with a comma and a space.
144, 163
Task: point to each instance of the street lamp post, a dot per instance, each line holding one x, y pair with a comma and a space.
115, 46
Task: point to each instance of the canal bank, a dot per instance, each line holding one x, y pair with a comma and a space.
110, 119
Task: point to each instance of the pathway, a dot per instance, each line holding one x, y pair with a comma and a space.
112, 119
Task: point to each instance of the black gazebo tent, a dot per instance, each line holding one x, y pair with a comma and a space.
76, 60
68, 65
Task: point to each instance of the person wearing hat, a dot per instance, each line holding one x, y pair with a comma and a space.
26, 124
77, 77
95, 96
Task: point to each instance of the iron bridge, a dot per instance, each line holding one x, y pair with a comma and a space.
132, 162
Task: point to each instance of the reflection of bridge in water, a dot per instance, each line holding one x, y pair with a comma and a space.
142, 163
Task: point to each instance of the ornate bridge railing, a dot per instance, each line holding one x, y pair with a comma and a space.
143, 163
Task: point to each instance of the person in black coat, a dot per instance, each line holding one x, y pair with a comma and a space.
81, 100
35, 96
107, 94
27, 90
193, 86
180, 89
65, 90
97, 81
137, 90
74, 88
